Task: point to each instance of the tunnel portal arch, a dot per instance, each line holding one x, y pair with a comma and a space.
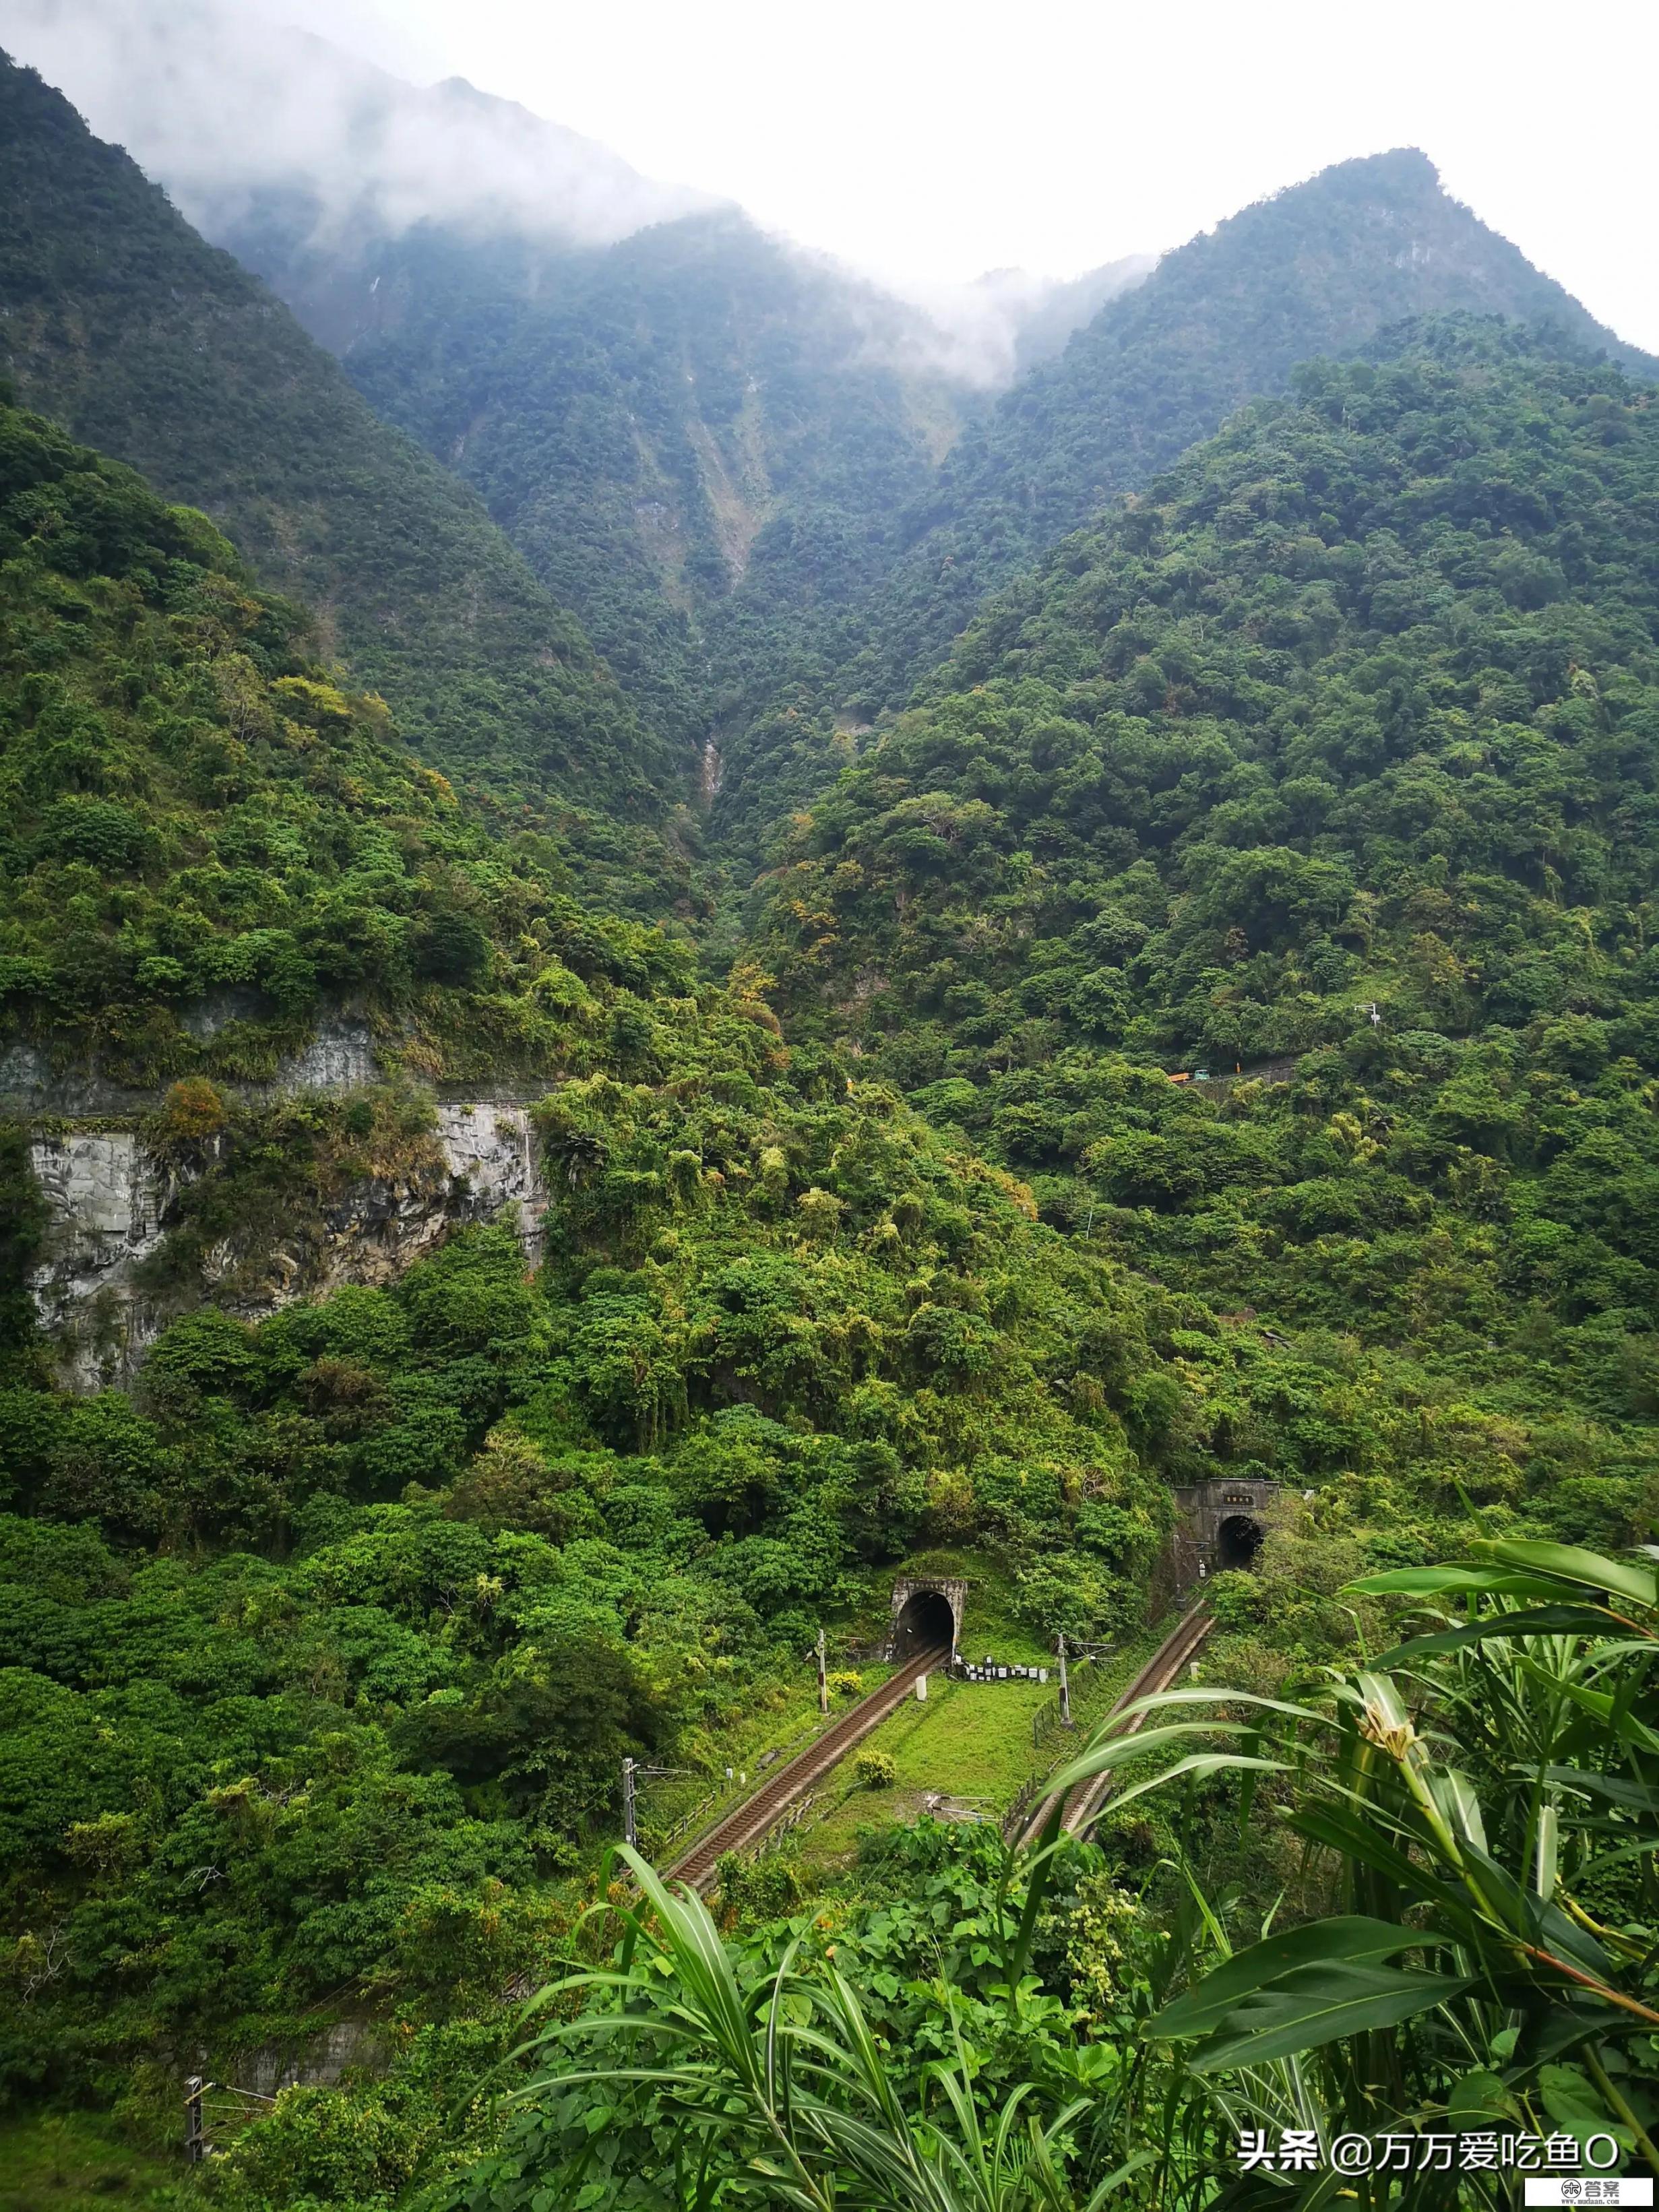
1237, 1541
926, 1614
924, 1623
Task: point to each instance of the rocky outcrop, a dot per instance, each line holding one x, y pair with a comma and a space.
491, 1149
106, 1203
340, 1056
110, 1203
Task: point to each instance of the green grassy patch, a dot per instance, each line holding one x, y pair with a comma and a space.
79, 2162
968, 1741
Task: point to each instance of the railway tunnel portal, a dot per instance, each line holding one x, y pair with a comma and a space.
1220, 1526
927, 1616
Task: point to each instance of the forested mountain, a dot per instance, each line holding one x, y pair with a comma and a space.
1196, 1023
358, 1606
703, 438
784, 1329
700, 439
1318, 269
230, 108
125, 326
773, 510
1333, 747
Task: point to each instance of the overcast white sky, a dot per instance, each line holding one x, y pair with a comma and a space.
929, 141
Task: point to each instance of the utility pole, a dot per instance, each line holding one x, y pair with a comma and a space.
195, 2140
628, 1831
1065, 1686
824, 1680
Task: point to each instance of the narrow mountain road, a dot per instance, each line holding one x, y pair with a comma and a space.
1160, 1672
751, 1819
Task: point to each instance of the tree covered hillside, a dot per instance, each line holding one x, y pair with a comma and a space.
701, 438
320, 1645
193, 809
125, 326
784, 1332
1356, 708
1208, 1032
1318, 269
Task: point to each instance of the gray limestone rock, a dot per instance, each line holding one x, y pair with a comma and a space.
108, 1201
490, 1149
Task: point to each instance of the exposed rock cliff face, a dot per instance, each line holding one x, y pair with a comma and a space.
340, 1056
108, 1199
490, 1149
111, 1202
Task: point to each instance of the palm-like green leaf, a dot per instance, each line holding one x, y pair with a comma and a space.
1317, 2005
1353, 1940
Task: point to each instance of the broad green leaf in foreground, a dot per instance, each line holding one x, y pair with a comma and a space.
1317, 2005
1353, 1941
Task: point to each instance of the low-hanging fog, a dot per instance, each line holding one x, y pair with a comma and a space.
231, 108
219, 104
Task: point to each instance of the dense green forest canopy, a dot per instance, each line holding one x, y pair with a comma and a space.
1211, 1032
130, 330
193, 811
1373, 668
757, 484
359, 1605
1331, 752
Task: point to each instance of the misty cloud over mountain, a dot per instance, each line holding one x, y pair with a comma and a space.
225, 108
262, 132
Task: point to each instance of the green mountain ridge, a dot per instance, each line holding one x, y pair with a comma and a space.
1320, 268
1335, 748
759, 484
1210, 1032
124, 325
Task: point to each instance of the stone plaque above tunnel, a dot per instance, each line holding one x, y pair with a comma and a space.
927, 1613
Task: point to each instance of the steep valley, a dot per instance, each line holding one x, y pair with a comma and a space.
697, 1002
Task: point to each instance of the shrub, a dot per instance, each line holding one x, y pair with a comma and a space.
759, 1889
192, 1111
875, 1770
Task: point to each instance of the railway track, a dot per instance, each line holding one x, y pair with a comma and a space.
745, 1822
1159, 1672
